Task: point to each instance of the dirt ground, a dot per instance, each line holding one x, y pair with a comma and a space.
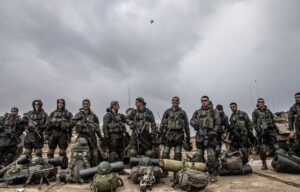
258, 181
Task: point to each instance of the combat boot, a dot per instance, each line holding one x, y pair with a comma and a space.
264, 165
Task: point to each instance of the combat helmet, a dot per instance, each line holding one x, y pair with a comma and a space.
145, 161
36, 161
104, 167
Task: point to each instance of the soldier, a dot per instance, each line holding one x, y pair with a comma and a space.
142, 122
10, 132
206, 121
240, 130
34, 138
58, 129
265, 127
223, 128
87, 126
173, 129
114, 130
294, 124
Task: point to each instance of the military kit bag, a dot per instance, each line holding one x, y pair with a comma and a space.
232, 164
106, 182
286, 162
190, 179
138, 173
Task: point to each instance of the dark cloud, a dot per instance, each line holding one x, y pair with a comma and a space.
76, 50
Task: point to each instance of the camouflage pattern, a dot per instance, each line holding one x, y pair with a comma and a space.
241, 122
80, 151
206, 121
34, 139
174, 126
87, 126
114, 130
10, 132
223, 129
266, 137
58, 131
144, 120
294, 125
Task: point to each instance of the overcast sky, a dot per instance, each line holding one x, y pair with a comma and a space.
76, 49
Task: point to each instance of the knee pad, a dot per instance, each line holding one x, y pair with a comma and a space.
132, 153
199, 155
149, 153
50, 153
211, 156
166, 149
38, 152
62, 152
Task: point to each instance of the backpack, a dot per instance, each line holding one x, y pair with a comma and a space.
106, 182
232, 164
190, 179
137, 173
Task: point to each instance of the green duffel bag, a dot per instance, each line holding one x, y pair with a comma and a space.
190, 180
284, 164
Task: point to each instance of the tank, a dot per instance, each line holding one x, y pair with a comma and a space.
281, 120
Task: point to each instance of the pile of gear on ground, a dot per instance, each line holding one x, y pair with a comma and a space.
99, 156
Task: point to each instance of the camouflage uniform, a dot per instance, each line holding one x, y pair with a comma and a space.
9, 137
266, 137
223, 128
113, 130
239, 132
87, 126
58, 131
206, 121
172, 129
144, 120
34, 139
294, 125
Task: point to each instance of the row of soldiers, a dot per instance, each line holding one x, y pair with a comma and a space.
210, 125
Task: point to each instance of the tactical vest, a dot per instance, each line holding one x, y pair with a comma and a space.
176, 120
9, 124
141, 118
38, 117
60, 119
238, 118
206, 118
264, 115
10, 121
89, 118
115, 125
297, 113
